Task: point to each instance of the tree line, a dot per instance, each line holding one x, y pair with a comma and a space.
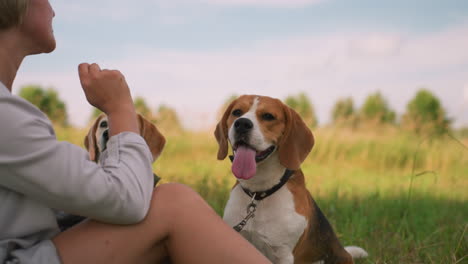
48, 101
424, 113
164, 117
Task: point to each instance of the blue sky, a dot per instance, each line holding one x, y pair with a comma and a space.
193, 54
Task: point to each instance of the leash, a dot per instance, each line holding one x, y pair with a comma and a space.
258, 196
251, 208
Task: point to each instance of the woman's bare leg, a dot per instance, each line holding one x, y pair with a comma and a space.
179, 223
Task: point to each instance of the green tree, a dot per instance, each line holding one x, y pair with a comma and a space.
303, 107
167, 119
376, 109
425, 114
47, 101
142, 107
343, 110
96, 112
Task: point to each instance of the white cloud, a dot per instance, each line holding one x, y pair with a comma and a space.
375, 44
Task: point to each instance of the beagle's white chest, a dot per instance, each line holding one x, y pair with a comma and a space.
276, 226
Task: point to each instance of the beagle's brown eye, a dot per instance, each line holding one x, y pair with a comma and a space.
237, 112
103, 124
268, 117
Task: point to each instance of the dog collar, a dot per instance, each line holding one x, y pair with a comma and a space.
264, 194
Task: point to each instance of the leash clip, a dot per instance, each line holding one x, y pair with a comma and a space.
251, 208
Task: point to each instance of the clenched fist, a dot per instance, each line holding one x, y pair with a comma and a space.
104, 89
108, 91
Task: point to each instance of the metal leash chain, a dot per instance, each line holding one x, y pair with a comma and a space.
251, 208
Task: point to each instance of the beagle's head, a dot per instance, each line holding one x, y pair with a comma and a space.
98, 135
256, 127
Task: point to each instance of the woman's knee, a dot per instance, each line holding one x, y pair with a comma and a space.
169, 192
175, 198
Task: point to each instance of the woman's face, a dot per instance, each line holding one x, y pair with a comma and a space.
37, 26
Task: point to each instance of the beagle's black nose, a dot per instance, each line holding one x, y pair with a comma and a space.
243, 125
105, 135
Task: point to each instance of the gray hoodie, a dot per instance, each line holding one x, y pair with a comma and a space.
39, 174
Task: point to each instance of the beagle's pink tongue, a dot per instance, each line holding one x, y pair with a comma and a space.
244, 165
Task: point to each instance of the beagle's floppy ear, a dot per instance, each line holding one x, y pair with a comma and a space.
152, 136
221, 133
297, 140
90, 141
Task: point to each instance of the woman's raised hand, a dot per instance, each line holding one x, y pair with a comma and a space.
106, 90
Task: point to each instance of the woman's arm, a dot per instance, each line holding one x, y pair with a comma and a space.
59, 174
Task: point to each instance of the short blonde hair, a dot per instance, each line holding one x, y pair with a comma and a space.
12, 12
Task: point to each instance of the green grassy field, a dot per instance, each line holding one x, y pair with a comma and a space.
403, 198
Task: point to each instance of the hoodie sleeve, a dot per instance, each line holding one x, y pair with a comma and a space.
60, 175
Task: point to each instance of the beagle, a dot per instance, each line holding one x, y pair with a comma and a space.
98, 135
269, 203
95, 142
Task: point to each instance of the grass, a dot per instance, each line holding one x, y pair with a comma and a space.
403, 198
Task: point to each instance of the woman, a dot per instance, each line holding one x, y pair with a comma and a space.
132, 223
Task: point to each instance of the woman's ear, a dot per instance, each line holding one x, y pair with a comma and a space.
221, 133
297, 140
152, 136
90, 141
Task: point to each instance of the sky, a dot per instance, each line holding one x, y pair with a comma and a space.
193, 54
